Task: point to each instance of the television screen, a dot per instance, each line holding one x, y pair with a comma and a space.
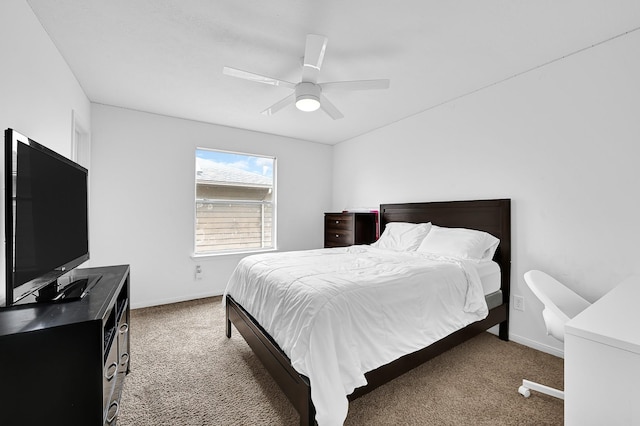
46, 229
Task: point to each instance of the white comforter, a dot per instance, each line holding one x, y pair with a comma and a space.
338, 313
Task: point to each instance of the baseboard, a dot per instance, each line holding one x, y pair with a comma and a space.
158, 302
530, 343
536, 345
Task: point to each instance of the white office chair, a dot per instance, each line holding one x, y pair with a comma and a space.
560, 305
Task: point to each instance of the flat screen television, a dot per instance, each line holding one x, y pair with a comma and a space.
46, 219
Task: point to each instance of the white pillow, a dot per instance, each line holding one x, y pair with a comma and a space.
459, 242
402, 236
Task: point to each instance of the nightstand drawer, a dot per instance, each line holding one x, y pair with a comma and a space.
338, 221
338, 238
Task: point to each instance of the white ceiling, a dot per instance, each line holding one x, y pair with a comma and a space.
166, 56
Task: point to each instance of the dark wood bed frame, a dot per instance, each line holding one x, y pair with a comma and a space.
493, 216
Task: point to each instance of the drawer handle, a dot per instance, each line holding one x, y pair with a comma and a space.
112, 417
111, 371
124, 358
337, 221
124, 328
337, 235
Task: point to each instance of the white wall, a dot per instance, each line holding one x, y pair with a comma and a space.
143, 191
563, 142
38, 91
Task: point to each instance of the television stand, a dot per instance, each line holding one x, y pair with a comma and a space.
66, 362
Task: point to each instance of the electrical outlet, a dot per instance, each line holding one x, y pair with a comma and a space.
198, 273
518, 303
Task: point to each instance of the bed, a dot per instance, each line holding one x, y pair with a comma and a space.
490, 216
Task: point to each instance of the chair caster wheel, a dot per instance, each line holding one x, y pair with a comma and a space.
524, 391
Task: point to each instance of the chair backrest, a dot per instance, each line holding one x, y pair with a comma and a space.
560, 303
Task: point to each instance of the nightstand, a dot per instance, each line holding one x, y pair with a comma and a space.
347, 229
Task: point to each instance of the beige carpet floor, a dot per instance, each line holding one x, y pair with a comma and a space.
184, 371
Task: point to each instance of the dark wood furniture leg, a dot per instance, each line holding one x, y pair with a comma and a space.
227, 321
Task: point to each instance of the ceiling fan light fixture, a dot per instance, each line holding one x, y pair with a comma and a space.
307, 96
307, 103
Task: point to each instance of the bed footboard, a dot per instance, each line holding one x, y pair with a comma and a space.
296, 386
293, 384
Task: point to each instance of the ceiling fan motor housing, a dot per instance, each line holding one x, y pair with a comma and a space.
307, 96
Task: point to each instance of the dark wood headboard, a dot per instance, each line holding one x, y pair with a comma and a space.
492, 216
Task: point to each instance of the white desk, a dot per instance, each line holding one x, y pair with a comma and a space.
602, 360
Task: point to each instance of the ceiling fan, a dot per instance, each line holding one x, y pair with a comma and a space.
308, 94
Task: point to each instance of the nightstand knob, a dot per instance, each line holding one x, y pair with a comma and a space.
337, 221
337, 235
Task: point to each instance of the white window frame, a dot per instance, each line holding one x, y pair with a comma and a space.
235, 251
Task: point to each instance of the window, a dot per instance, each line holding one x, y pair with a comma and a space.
235, 202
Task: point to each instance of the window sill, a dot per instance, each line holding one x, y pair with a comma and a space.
231, 253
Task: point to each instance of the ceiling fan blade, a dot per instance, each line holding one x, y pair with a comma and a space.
313, 56
246, 75
280, 104
335, 86
330, 108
